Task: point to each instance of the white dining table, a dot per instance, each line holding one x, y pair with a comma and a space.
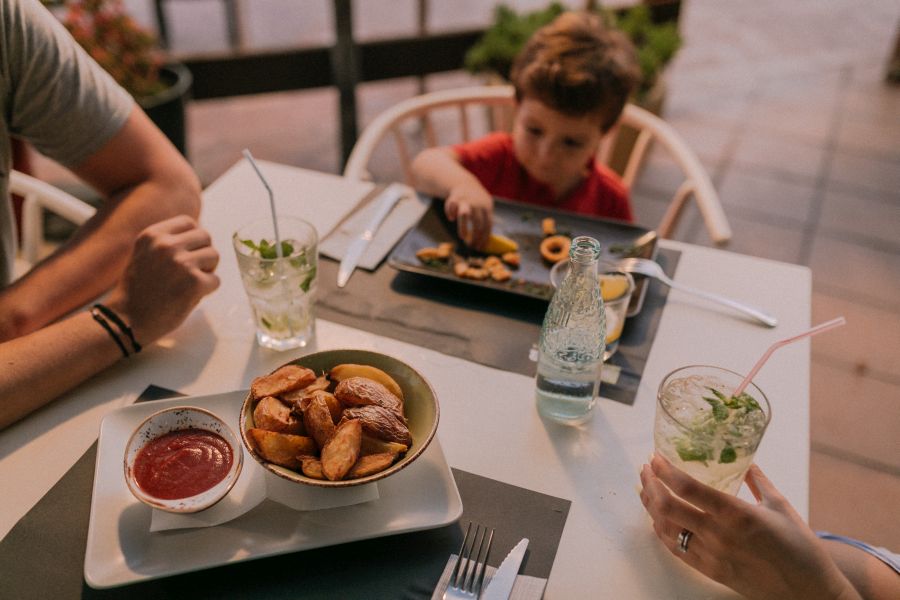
489, 424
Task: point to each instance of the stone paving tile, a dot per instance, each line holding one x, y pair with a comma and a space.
866, 172
850, 499
767, 197
783, 153
864, 216
868, 344
856, 414
856, 270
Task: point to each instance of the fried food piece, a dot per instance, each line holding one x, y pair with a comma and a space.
317, 419
281, 448
362, 391
272, 414
460, 268
285, 379
478, 274
548, 226
501, 274
492, 261
374, 445
513, 259
444, 250
311, 467
371, 464
429, 254
345, 371
380, 422
555, 248
292, 397
334, 405
342, 450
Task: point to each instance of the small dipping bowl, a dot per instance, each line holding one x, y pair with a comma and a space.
181, 418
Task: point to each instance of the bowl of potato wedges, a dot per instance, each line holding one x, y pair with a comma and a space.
339, 418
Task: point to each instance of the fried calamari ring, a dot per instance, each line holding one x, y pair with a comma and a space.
555, 248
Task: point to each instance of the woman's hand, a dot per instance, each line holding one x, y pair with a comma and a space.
760, 551
170, 270
472, 207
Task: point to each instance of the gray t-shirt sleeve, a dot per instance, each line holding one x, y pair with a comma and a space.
59, 99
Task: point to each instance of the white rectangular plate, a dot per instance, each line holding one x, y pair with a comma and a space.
121, 549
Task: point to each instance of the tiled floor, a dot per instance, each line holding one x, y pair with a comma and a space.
786, 106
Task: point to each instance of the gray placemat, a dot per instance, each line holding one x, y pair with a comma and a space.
43, 555
486, 326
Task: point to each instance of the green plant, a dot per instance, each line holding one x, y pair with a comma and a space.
656, 43
127, 51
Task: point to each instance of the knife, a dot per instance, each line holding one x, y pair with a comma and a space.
383, 205
501, 584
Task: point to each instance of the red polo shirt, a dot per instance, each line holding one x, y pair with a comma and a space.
492, 160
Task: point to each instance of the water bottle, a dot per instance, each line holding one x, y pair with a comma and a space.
572, 340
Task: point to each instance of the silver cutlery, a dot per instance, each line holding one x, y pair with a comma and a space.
651, 268
467, 576
501, 584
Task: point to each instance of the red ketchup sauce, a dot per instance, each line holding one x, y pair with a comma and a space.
182, 463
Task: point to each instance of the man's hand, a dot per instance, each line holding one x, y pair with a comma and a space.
170, 270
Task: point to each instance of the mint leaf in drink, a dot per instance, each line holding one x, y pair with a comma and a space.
688, 451
307, 281
267, 250
719, 410
728, 455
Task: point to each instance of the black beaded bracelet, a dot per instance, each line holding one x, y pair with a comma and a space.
123, 328
102, 320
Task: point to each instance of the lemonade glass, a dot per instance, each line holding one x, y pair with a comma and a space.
705, 431
281, 291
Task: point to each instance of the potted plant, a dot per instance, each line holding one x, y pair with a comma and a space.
656, 45
133, 57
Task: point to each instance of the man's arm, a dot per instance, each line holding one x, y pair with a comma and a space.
169, 271
145, 180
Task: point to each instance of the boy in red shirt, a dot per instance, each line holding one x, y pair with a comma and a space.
572, 80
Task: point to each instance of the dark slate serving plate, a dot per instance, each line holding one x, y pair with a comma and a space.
522, 223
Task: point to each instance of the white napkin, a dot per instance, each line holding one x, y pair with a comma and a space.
526, 587
254, 485
406, 213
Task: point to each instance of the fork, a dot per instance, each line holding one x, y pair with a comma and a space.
468, 572
651, 268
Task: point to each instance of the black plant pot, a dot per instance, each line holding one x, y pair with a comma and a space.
167, 108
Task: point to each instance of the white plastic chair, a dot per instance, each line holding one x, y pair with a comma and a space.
499, 100
38, 197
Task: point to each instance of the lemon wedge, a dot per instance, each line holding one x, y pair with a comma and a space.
499, 244
612, 286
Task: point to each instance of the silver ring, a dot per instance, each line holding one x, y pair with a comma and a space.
684, 538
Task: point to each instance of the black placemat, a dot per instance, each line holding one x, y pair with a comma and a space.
486, 326
43, 555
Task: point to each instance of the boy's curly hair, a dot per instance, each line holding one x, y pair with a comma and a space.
578, 66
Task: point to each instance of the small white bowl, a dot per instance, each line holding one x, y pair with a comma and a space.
174, 419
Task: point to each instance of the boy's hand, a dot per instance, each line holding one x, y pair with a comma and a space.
472, 207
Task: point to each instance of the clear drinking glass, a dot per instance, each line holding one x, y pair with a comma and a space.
281, 291
706, 432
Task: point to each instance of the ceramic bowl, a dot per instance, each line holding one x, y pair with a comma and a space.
420, 408
174, 419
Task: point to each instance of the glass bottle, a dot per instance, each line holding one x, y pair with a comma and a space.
572, 340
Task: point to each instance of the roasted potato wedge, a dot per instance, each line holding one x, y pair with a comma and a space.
272, 414
312, 467
342, 450
374, 445
371, 464
317, 419
362, 391
281, 448
345, 371
285, 379
380, 422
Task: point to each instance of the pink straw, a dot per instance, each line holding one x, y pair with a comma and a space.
817, 329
